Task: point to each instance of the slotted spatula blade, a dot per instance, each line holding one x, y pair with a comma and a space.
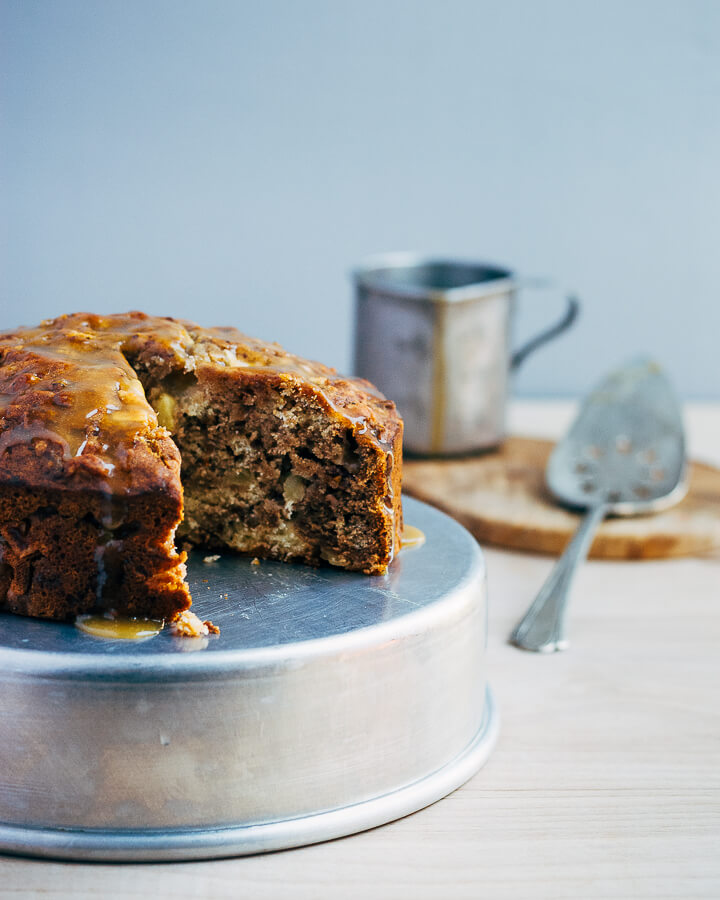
626, 448
624, 455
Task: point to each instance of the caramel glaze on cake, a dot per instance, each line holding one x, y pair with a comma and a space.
281, 458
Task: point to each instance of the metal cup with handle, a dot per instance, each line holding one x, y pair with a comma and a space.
434, 336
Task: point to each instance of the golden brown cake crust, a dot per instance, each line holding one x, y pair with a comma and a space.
80, 441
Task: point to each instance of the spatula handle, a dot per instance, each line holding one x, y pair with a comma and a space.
542, 628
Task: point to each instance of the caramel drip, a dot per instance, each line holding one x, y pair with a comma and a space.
117, 627
75, 388
69, 382
412, 537
107, 404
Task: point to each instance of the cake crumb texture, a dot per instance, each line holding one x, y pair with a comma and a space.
121, 434
187, 624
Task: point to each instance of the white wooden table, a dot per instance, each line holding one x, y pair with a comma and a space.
605, 781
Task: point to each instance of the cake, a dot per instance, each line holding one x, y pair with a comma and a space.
125, 437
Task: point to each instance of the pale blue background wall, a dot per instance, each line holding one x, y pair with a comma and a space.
229, 161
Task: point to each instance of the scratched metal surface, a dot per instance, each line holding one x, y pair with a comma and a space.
329, 703
275, 604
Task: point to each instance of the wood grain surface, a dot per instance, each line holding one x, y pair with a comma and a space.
501, 498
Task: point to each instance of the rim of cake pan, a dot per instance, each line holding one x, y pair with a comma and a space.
162, 665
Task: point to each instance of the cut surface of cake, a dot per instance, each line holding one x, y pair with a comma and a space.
112, 426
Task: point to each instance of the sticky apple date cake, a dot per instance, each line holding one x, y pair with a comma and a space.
112, 426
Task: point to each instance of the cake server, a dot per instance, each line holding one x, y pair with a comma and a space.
623, 456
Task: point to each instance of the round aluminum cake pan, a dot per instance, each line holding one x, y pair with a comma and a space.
330, 702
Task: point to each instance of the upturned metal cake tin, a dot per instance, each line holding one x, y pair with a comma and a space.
331, 702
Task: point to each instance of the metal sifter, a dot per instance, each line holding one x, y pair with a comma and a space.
623, 456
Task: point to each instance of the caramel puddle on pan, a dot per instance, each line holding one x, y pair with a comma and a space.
124, 629
411, 537
118, 628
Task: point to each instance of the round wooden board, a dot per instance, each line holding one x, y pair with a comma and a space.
501, 498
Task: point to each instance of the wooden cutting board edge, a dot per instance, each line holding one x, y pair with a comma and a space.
537, 534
